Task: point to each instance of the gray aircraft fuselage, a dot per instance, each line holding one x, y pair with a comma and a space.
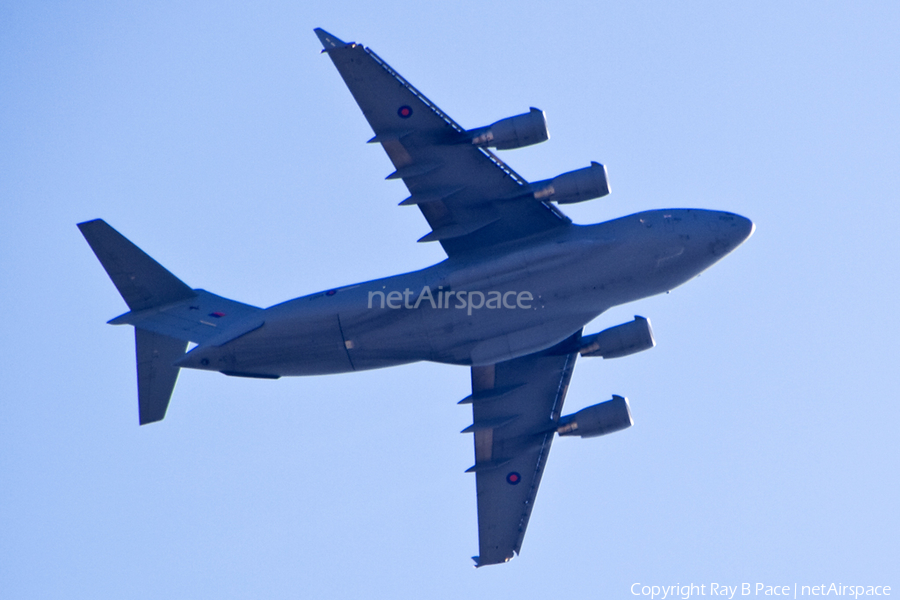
479, 311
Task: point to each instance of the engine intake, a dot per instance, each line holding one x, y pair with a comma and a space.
621, 340
575, 186
599, 419
513, 132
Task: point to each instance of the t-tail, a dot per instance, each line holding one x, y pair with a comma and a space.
165, 312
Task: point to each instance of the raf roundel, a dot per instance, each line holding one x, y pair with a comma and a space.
513, 478
405, 112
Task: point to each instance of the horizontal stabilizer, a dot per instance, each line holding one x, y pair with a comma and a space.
203, 318
143, 282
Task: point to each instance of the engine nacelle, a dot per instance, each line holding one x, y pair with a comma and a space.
620, 340
574, 186
513, 132
599, 419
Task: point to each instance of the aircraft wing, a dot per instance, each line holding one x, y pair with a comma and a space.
471, 198
515, 406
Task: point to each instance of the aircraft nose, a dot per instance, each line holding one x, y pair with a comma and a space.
726, 231
741, 228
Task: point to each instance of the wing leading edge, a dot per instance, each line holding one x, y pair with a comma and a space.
516, 406
471, 198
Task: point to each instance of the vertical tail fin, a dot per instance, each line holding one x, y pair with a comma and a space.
156, 375
144, 284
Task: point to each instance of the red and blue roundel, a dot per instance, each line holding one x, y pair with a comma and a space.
513, 478
404, 111
331, 292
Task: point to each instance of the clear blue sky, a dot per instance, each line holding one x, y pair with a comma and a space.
217, 138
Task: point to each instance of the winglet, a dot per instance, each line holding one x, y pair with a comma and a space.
479, 564
329, 42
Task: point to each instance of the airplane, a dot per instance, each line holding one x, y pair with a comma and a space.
510, 301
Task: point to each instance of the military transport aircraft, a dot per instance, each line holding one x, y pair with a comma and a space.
519, 283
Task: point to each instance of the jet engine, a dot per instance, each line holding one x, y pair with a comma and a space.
513, 132
599, 419
621, 340
575, 186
